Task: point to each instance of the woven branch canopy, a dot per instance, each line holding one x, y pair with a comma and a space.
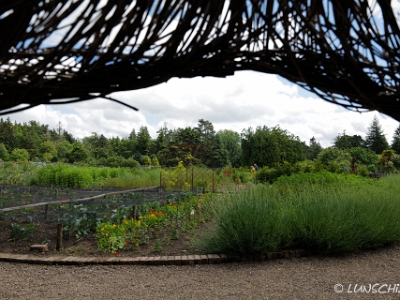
61, 51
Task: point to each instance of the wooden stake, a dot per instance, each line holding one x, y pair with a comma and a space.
59, 236
213, 181
134, 212
46, 211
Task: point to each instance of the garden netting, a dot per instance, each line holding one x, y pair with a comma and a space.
67, 206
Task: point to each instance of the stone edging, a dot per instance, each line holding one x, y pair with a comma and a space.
150, 260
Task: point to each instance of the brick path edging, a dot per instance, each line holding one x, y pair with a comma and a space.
151, 260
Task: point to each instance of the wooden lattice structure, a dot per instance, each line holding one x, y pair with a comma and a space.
58, 51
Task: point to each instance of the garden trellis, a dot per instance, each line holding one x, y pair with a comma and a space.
64, 51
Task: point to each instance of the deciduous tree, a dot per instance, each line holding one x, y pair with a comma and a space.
19, 155
344, 141
78, 153
270, 146
231, 141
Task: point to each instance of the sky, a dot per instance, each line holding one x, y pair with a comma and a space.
247, 99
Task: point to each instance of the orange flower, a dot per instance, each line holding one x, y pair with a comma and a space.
159, 213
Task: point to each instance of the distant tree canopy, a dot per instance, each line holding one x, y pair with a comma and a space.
197, 145
330, 154
344, 141
270, 146
363, 156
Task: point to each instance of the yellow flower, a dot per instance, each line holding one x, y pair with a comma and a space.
114, 226
138, 222
106, 234
102, 229
126, 222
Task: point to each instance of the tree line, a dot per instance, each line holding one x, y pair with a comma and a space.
200, 145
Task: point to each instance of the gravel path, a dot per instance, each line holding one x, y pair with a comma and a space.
300, 278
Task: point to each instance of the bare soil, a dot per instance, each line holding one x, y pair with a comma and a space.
85, 246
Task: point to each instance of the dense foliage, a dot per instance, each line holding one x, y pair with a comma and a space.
275, 150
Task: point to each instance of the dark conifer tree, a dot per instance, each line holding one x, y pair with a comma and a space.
396, 140
375, 139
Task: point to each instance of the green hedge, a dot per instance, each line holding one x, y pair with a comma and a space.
85, 177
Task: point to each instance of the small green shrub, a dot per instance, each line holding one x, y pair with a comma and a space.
363, 171
157, 246
19, 233
266, 174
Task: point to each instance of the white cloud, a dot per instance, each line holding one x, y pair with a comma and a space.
247, 99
